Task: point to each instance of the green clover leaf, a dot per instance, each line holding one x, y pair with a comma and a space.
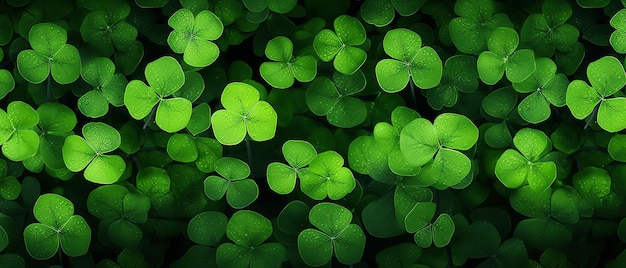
248, 230
282, 178
525, 165
18, 138
592, 182
199, 234
381, 13
617, 147
342, 45
182, 148
7, 83
335, 235
459, 75
335, 99
108, 87
285, 68
618, 37
244, 115
89, 153
165, 76
154, 182
106, 30
607, 77
471, 30
502, 58
327, 177
439, 232
277, 6
192, 36
56, 122
57, 227
409, 61
50, 55
240, 192
547, 32
500, 104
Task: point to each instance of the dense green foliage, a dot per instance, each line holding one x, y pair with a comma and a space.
286, 133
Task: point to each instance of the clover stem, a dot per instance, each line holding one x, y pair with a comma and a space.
249, 149
48, 91
60, 258
150, 117
591, 117
413, 94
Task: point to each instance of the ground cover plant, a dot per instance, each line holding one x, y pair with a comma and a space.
312, 133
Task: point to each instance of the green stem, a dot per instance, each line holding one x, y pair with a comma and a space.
249, 149
60, 258
591, 118
413, 98
150, 117
48, 90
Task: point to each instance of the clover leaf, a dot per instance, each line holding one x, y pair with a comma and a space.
607, 77
18, 138
381, 13
199, 234
335, 235
547, 32
421, 140
471, 30
240, 192
500, 104
7, 83
335, 99
409, 61
342, 45
618, 37
57, 226
399, 255
592, 182
49, 55
89, 153
563, 204
285, 68
182, 148
106, 30
525, 165
192, 36
165, 76
617, 147
121, 212
502, 58
10, 187
545, 88
154, 182
282, 178
327, 177
249, 230
108, 87
244, 115
277, 6
459, 75
418, 221
56, 122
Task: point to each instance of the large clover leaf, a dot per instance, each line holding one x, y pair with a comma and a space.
244, 115
89, 153
335, 235
108, 87
525, 165
192, 36
165, 76
327, 177
57, 227
607, 77
502, 58
470, 31
50, 55
342, 45
18, 138
282, 178
409, 61
240, 192
548, 31
285, 68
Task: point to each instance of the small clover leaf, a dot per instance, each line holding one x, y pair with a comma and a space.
335, 99
342, 45
409, 61
153, 182
192, 36
547, 32
592, 182
617, 147
244, 115
89, 153
502, 58
327, 177
199, 234
108, 88
18, 138
381, 13
607, 77
56, 122
165, 76
7, 83
240, 192
459, 75
285, 68
182, 148
57, 227
418, 221
50, 55
500, 104
282, 178
334, 234
514, 168
106, 30
618, 37
248, 230
471, 30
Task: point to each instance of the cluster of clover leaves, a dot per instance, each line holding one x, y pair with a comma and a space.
312, 133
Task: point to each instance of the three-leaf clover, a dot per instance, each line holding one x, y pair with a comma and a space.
57, 227
335, 99
108, 87
525, 165
248, 230
120, 211
18, 138
56, 122
607, 77
335, 235
618, 37
502, 58
105, 29
469, 32
232, 182
327, 177
50, 55
418, 221
459, 75
192, 36
89, 153
243, 115
409, 60
548, 31
282, 178
500, 104
342, 45
284, 67
381, 13
421, 140
165, 76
